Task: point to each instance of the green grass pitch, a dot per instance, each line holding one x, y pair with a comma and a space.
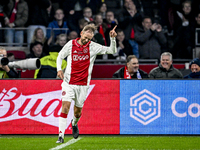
99, 142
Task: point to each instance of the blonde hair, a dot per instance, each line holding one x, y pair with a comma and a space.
60, 36
90, 27
34, 38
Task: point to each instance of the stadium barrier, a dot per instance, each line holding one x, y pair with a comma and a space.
111, 107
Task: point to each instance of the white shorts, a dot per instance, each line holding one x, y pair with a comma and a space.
78, 93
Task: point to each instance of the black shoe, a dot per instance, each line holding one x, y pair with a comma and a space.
75, 131
60, 140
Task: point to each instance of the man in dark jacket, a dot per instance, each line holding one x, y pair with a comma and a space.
150, 38
36, 50
195, 69
131, 70
165, 68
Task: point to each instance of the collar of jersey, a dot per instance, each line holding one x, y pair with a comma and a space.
77, 44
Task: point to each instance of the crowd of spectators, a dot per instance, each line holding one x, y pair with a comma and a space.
146, 29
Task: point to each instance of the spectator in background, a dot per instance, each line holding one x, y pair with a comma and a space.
82, 23
36, 50
98, 38
131, 70
128, 18
58, 26
48, 67
150, 39
102, 10
73, 10
60, 42
72, 35
87, 14
5, 71
101, 26
38, 16
2, 22
184, 23
124, 48
195, 69
16, 15
110, 21
165, 68
38, 36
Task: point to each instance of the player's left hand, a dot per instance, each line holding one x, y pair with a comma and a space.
112, 32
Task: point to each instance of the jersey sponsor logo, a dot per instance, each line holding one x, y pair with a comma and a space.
79, 57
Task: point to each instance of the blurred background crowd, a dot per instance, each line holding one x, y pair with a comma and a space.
145, 28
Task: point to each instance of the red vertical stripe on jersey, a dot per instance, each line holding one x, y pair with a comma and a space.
80, 63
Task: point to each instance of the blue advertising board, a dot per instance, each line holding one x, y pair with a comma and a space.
160, 107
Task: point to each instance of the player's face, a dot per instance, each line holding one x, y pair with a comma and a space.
195, 68
166, 62
133, 65
86, 37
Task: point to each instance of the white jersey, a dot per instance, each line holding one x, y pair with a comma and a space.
80, 60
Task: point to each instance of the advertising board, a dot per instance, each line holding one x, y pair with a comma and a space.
159, 106
34, 106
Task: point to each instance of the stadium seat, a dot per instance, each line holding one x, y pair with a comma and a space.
27, 73
18, 54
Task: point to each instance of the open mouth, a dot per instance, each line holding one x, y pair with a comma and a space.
194, 70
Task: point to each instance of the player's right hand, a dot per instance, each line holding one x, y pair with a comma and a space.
112, 32
60, 74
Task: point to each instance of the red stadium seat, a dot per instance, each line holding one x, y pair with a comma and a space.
27, 73
18, 54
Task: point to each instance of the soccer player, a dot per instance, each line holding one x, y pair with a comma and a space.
81, 54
